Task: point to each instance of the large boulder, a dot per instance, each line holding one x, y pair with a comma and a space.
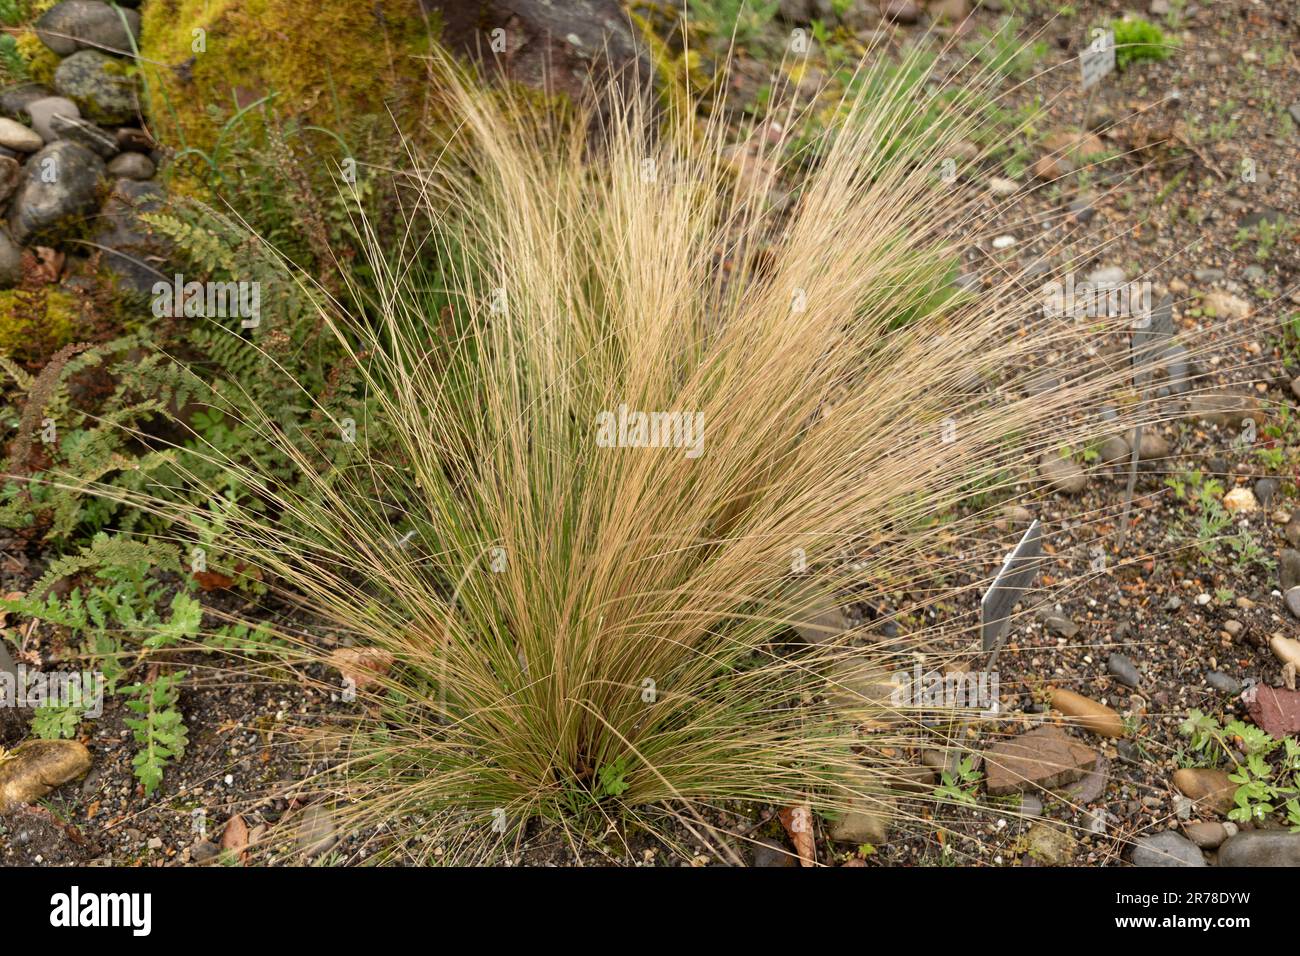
59, 189
328, 64
343, 61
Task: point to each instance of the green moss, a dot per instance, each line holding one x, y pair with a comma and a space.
35, 323
325, 64
41, 60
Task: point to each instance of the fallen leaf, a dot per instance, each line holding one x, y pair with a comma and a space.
362, 665
213, 580
798, 823
234, 838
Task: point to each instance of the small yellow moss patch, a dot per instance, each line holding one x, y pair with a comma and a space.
34, 323
41, 60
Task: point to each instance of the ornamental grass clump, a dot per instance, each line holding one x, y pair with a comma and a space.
634, 416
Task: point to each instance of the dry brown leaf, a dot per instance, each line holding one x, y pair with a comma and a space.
798, 823
213, 580
362, 665
234, 838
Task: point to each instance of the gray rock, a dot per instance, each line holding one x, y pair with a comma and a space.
1289, 569
1031, 805
1082, 209
1292, 599
204, 851
52, 209
14, 99
79, 24
98, 84
43, 111
1294, 110
131, 139
11, 261
101, 142
1124, 670
132, 166
1059, 624
135, 254
14, 135
1090, 786
1208, 275
1166, 849
770, 853
1219, 467
1261, 848
1266, 491
1223, 683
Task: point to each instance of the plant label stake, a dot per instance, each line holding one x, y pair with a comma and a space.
1014, 578
1151, 333
1095, 62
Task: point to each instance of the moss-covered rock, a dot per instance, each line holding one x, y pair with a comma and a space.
340, 61
324, 63
59, 189
99, 85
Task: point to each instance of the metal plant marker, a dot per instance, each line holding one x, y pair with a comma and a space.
1151, 334
1095, 63
1014, 578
